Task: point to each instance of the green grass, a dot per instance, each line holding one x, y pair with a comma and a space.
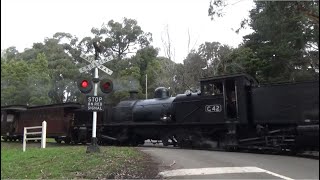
61, 162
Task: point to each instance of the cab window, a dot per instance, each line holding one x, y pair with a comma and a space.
211, 89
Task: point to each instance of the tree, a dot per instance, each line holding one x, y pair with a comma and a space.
39, 81
193, 65
285, 38
14, 83
10, 53
122, 38
25, 82
282, 39
63, 69
215, 55
167, 76
244, 60
309, 9
216, 8
147, 62
167, 45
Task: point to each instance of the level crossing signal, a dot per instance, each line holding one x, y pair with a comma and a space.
85, 85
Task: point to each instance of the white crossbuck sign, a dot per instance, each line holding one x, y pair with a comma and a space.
94, 63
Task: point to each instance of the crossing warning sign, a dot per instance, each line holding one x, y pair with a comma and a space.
94, 103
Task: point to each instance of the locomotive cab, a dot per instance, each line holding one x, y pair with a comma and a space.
234, 89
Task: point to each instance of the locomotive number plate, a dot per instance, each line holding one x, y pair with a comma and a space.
213, 108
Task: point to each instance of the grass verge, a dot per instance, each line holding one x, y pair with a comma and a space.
65, 162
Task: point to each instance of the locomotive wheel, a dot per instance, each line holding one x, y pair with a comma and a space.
165, 140
141, 142
196, 140
133, 143
184, 142
189, 140
67, 140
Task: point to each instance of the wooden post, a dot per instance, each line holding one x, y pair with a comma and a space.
44, 134
24, 139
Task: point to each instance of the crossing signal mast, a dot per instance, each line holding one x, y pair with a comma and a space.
86, 85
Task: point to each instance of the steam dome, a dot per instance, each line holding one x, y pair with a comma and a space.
161, 92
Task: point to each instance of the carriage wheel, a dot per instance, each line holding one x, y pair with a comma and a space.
58, 140
67, 141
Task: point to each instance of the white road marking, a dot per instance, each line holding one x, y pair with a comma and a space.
218, 170
147, 150
278, 175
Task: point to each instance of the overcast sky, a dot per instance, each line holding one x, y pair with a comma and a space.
24, 22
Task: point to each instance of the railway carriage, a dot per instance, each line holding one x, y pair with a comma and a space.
59, 118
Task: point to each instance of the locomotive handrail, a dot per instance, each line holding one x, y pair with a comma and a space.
42, 138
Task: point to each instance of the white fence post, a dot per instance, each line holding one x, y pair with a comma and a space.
24, 139
42, 138
44, 134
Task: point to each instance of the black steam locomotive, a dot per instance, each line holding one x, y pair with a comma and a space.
230, 112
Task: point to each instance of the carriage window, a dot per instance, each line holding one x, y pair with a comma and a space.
10, 118
212, 89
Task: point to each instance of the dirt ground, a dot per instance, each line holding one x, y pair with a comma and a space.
148, 169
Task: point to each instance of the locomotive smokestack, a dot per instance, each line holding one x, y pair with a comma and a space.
133, 94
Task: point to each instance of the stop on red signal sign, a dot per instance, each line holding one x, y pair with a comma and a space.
94, 103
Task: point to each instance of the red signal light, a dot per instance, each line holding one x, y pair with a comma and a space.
84, 83
106, 85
